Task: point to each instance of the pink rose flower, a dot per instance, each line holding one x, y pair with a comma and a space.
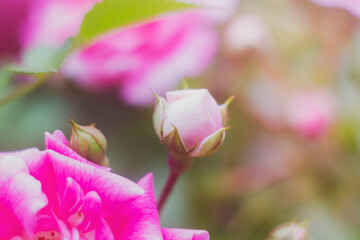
190, 122
353, 6
57, 194
156, 55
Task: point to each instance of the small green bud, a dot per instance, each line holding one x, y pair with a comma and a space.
89, 142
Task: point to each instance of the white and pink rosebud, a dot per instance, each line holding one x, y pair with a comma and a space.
289, 231
190, 123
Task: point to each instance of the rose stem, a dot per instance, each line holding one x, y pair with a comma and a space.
170, 183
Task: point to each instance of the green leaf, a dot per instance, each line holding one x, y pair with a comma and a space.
42, 59
111, 14
36, 61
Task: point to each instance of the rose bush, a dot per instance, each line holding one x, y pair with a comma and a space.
57, 194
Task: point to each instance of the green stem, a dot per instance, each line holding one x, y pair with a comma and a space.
22, 90
177, 165
170, 183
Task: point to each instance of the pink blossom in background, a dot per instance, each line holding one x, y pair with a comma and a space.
12, 16
265, 100
56, 194
155, 55
310, 113
39, 23
216, 10
353, 6
52, 22
247, 32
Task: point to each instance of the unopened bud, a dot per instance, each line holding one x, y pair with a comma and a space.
289, 231
89, 142
190, 123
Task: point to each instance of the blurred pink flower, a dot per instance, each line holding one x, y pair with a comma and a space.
156, 55
12, 16
246, 32
291, 230
310, 113
47, 25
39, 23
57, 194
193, 116
353, 6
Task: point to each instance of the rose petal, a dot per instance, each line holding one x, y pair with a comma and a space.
195, 116
184, 234
140, 220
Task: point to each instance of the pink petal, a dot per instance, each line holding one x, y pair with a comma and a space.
113, 189
195, 116
156, 55
140, 220
184, 234
103, 231
72, 200
29, 153
173, 96
46, 24
194, 53
21, 195
92, 211
58, 143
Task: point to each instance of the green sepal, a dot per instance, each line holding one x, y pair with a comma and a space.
185, 84
224, 110
210, 144
158, 115
174, 143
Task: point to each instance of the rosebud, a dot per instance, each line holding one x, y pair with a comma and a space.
190, 123
289, 231
89, 142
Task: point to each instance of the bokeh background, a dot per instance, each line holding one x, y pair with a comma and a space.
293, 150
